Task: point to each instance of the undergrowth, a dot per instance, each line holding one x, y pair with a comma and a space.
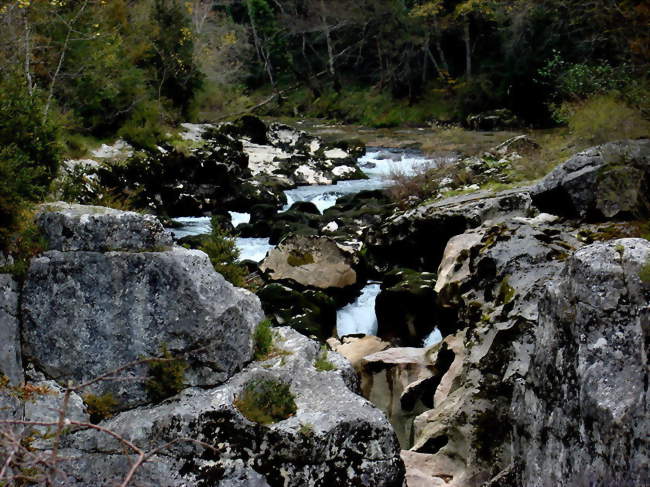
266, 401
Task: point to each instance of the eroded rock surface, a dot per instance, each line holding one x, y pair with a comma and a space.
11, 370
608, 181
335, 437
582, 412
69, 227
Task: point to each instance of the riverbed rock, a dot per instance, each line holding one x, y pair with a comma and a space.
416, 238
354, 349
334, 438
491, 279
610, 181
11, 370
581, 413
499, 119
310, 311
316, 262
68, 227
385, 378
86, 313
405, 307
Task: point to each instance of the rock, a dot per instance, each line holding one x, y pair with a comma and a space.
311, 312
355, 349
305, 207
386, 375
69, 227
416, 238
581, 414
421, 470
491, 279
317, 262
610, 181
11, 369
493, 120
86, 313
520, 144
334, 438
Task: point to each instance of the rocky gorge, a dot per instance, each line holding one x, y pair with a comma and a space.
509, 344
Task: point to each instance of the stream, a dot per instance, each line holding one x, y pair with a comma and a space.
378, 164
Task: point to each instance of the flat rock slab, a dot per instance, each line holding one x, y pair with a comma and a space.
70, 227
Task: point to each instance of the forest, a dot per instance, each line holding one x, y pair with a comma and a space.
76, 71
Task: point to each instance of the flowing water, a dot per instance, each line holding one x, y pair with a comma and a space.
379, 164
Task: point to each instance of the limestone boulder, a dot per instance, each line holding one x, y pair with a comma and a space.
334, 438
11, 369
416, 238
87, 313
610, 181
316, 262
581, 413
69, 227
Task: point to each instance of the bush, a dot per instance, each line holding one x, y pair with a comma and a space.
321, 363
29, 154
166, 376
263, 340
266, 401
604, 118
223, 252
145, 128
100, 407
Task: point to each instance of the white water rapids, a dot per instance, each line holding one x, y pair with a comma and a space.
378, 164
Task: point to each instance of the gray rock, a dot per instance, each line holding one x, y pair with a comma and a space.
317, 262
11, 369
416, 238
581, 414
335, 437
87, 313
69, 227
604, 182
491, 279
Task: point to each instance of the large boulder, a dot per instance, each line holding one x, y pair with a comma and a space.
604, 182
489, 283
85, 313
334, 437
69, 227
316, 262
11, 370
416, 238
581, 414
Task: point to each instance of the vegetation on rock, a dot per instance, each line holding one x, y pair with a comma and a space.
100, 407
166, 376
222, 249
266, 401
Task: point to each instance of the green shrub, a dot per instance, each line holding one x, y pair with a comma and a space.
321, 363
166, 376
263, 340
100, 407
222, 249
29, 155
604, 118
266, 401
145, 129
644, 274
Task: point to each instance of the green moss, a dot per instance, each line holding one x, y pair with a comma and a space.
263, 340
321, 363
266, 401
297, 259
100, 407
506, 292
644, 273
306, 429
166, 376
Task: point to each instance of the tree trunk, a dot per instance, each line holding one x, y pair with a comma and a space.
468, 49
441, 53
330, 49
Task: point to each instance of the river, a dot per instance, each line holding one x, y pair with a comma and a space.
378, 164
